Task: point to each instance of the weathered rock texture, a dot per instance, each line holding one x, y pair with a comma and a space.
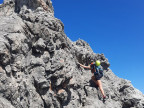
38, 64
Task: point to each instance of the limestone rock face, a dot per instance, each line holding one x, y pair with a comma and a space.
38, 64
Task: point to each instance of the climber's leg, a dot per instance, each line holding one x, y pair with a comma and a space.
100, 87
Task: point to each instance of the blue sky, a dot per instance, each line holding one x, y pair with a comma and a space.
112, 27
1, 1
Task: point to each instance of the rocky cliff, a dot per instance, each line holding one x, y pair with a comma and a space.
38, 64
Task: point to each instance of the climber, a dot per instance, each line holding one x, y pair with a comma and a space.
97, 74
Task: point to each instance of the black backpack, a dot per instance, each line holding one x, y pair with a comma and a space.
98, 71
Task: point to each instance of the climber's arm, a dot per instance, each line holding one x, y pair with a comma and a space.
86, 67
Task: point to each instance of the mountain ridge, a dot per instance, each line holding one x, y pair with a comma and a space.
39, 64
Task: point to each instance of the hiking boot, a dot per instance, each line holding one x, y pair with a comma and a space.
104, 98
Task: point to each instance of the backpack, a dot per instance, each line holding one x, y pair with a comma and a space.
97, 70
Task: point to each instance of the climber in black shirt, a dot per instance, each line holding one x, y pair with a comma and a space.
97, 74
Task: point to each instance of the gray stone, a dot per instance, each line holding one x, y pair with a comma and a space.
39, 64
5, 103
4, 54
39, 46
8, 69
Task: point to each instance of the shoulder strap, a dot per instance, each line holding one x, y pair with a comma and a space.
97, 69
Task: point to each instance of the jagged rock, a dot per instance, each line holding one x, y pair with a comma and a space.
39, 64
50, 47
4, 53
39, 46
5, 104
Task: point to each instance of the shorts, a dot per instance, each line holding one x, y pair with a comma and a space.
98, 76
